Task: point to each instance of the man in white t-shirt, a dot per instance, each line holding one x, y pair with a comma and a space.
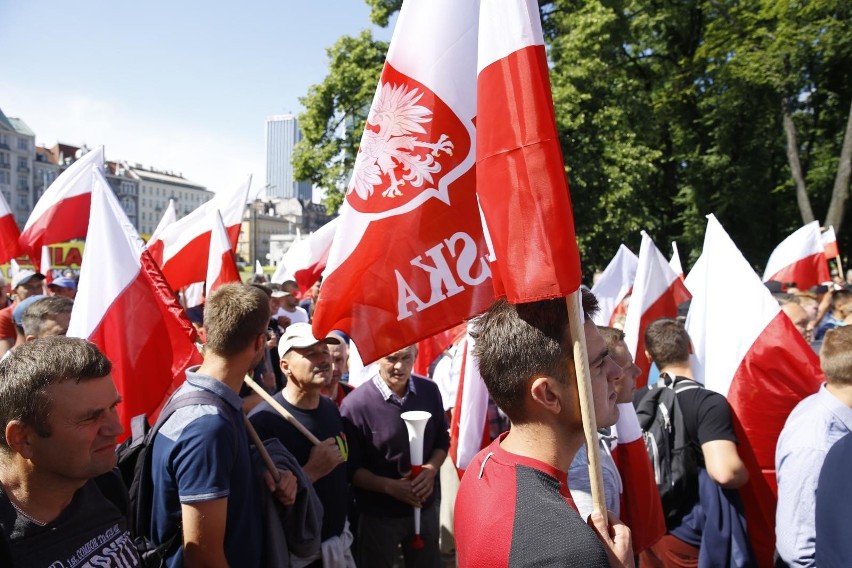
289, 311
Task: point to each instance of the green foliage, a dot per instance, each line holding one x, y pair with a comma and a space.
382, 10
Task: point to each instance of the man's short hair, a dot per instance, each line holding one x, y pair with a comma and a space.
667, 341
835, 357
28, 371
840, 297
234, 315
516, 342
42, 310
611, 335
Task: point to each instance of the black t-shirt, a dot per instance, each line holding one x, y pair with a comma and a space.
323, 422
707, 415
91, 531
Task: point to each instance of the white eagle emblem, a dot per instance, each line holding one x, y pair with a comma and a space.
389, 144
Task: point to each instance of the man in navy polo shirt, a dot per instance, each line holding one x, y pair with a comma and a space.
380, 463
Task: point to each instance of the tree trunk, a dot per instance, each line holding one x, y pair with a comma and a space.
796, 166
841, 181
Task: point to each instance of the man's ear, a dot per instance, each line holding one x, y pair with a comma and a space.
648, 356
18, 438
545, 393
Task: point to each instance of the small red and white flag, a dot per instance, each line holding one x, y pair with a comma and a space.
829, 241
9, 233
675, 262
45, 266
747, 349
169, 217
179, 246
125, 307
521, 182
409, 258
800, 258
469, 424
615, 284
221, 263
193, 295
306, 258
62, 213
657, 293
431, 348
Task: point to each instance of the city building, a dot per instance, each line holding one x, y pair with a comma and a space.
262, 221
282, 134
156, 187
17, 152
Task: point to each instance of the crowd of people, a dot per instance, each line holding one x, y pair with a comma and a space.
333, 484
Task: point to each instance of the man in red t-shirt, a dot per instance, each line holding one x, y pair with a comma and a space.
27, 283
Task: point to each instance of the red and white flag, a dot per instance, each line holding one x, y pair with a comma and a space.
747, 349
221, 262
469, 424
615, 284
125, 307
179, 246
306, 258
169, 217
675, 262
431, 348
62, 213
45, 266
193, 295
521, 182
829, 241
657, 293
800, 258
9, 233
409, 258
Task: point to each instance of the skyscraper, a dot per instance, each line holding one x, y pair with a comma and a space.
282, 133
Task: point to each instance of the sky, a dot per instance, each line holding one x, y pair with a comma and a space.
179, 85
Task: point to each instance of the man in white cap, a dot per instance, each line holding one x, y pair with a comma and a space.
25, 284
306, 364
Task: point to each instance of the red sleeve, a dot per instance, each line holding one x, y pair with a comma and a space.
7, 326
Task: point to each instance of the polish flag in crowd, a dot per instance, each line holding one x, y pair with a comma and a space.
193, 295
62, 213
409, 258
641, 507
469, 424
657, 292
169, 217
829, 241
221, 262
9, 233
178, 247
431, 348
675, 262
747, 349
800, 258
306, 258
615, 284
45, 266
125, 307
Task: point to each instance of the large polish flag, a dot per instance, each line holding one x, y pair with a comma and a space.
521, 182
221, 263
179, 246
62, 213
800, 258
409, 258
306, 258
747, 349
9, 233
657, 293
469, 423
615, 284
125, 307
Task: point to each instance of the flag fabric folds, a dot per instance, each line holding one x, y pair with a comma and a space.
62, 213
221, 262
9, 233
657, 293
800, 258
615, 284
409, 258
178, 247
306, 258
125, 307
747, 349
468, 427
521, 181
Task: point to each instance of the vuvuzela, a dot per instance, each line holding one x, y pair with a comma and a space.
415, 422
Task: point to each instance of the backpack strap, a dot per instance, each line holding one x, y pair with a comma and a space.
682, 384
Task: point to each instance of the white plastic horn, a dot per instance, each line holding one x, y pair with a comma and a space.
415, 423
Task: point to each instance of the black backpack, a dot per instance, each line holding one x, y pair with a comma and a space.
674, 457
135, 456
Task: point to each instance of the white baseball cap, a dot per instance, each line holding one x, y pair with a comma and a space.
299, 336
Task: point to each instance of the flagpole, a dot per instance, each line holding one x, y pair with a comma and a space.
840, 267
281, 410
267, 459
584, 391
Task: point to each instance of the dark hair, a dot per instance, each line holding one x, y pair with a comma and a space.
517, 342
835, 357
840, 297
234, 315
41, 310
263, 288
28, 371
611, 335
667, 341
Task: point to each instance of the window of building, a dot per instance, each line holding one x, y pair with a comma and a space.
23, 144
23, 202
4, 176
22, 162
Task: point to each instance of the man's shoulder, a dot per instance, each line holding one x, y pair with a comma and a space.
365, 394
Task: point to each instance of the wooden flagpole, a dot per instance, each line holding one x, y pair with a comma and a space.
281, 410
267, 459
576, 319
